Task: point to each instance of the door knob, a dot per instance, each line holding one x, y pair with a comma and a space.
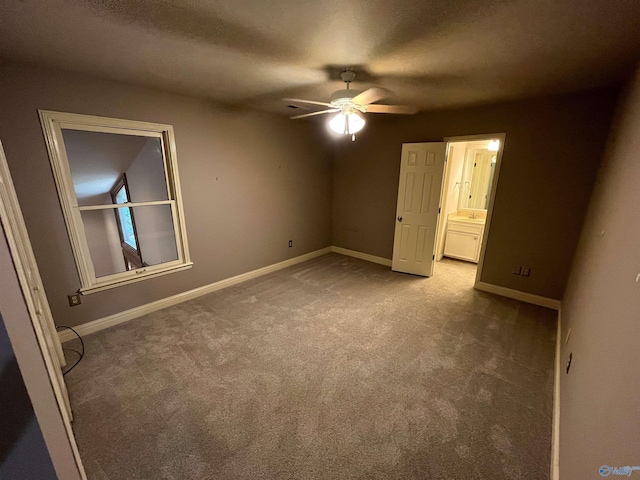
399, 219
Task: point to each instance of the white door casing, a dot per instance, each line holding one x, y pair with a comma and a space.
421, 172
34, 369
31, 284
501, 137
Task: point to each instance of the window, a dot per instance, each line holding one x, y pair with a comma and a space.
126, 225
120, 193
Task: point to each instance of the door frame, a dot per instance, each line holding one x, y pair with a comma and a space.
494, 187
31, 337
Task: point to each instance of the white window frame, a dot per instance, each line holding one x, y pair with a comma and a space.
52, 125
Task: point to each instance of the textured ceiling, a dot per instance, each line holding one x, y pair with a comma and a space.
432, 54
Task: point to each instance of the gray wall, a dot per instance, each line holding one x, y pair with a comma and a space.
600, 397
250, 183
551, 154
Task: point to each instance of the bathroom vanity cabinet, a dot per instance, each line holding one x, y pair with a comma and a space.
464, 238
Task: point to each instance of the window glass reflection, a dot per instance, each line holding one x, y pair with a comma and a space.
144, 237
98, 161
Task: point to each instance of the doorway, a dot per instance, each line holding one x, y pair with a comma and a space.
29, 324
468, 191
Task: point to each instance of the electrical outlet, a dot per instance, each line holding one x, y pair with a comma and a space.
526, 271
516, 270
290, 243
569, 362
74, 299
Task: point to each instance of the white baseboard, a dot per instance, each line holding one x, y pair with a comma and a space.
555, 433
362, 256
125, 316
518, 295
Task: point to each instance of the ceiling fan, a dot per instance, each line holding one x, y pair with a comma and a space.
350, 105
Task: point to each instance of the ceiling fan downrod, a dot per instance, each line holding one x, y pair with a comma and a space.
347, 77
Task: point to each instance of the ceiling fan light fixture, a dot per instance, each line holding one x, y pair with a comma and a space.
351, 105
347, 123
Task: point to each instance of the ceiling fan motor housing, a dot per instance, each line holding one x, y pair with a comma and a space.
348, 76
343, 96
342, 101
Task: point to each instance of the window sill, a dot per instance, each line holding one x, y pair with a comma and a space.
99, 287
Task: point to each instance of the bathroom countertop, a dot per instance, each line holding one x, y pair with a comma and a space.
460, 218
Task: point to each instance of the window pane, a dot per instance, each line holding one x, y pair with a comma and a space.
126, 224
101, 230
121, 196
98, 160
156, 237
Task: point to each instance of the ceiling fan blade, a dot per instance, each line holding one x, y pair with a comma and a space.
401, 109
370, 95
298, 105
312, 102
333, 110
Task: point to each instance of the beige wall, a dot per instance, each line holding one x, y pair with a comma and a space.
551, 155
250, 183
600, 397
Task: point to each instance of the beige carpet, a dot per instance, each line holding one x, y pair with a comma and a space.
332, 369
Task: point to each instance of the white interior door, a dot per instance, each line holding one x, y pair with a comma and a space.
31, 284
421, 171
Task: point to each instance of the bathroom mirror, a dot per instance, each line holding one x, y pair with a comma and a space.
477, 176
